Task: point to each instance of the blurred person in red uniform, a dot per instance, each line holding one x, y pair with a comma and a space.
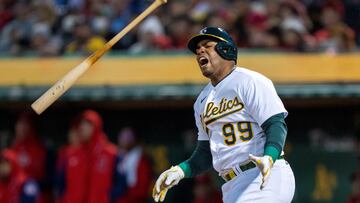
355, 188
30, 150
15, 185
88, 170
133, 172
73, 144
205, 191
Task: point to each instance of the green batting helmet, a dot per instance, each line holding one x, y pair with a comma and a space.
225, 47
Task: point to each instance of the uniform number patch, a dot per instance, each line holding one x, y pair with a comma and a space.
241, 130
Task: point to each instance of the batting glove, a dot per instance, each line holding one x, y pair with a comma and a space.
167, 180
264, 163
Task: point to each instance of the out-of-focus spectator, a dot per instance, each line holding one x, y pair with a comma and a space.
15, 185
179, 32
352, 17
241, 10
335, 36
89, 168
261, 32
291, 40
14, 38
150, 36
84, 40
200, 10
133, 172
31, 152
43, 43
6, 13
355, 188
205, 191
294, 16
43, 12
121, 15
100, 18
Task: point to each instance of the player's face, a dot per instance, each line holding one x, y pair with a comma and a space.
86, 130
210, 63
73, 137
5, 168
21, 129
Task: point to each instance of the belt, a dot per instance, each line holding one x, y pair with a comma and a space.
231, 174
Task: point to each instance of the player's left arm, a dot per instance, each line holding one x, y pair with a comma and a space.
199, 162
275, 130
265, 106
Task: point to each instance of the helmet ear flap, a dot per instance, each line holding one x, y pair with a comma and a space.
226, 50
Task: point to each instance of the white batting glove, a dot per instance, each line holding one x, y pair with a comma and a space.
167, 180
264, 163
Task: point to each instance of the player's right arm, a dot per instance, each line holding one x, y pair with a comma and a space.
201, 159
199, 162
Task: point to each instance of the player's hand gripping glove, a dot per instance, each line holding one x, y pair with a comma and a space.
264, 163
167, 180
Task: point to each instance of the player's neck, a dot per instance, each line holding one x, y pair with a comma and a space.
222, 75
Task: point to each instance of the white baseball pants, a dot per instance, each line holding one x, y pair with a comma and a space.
245, 187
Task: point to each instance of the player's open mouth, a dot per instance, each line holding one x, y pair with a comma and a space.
203, 61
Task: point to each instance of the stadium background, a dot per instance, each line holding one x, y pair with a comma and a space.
150, 80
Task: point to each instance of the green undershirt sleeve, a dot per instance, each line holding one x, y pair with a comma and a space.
200, 160
275, 130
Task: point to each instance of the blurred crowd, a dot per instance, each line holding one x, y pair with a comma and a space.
87, 169
57, 27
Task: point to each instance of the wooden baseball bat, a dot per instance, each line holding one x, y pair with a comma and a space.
62, 85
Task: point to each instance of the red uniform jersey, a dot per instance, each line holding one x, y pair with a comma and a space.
17, 187
138, 186
89, 167
31, 152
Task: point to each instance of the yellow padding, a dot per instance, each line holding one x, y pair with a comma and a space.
281, 68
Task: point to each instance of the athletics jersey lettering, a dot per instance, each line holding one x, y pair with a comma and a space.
230, 115
225, 108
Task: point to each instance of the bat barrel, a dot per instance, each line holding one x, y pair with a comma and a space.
59, 88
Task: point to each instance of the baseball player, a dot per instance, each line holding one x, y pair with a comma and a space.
241, 128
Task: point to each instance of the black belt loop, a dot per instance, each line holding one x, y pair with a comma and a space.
247, 166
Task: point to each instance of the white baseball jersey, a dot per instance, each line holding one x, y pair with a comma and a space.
231, 113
